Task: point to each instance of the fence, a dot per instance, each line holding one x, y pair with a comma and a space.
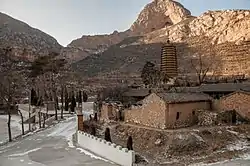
107, 150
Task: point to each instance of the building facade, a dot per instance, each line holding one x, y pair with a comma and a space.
111, 111
237, 101
168, 110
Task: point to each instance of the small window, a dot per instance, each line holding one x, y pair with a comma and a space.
178, 115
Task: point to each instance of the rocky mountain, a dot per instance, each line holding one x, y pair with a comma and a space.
220, 37
87, 45
156, 15
27, 42
159, 14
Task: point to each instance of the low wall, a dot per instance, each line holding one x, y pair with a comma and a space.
107, 150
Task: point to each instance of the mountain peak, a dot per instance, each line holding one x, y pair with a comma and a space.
159, 14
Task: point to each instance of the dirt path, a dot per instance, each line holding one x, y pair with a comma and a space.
197, 128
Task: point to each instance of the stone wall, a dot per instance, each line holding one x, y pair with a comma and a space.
107, 150
238, 101
151, 113
110, 111
186, 113
206, 118
106, 112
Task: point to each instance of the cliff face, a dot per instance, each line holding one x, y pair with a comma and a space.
26, 41
159, 14
219, 26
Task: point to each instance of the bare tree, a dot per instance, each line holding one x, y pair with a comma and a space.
204, 65
201, 69
62, 101
49, 65
11, 80
153, 77
22, 122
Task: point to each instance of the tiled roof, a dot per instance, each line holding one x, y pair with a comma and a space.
221, 87
225, 87
184, 97
185, 89
236, 92
137, 93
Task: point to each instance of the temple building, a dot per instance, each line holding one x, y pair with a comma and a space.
169, 60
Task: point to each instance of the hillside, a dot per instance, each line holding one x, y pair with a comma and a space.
27, 42
156, 15
87, 45
220, 37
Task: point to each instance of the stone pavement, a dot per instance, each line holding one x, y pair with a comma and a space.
50, 147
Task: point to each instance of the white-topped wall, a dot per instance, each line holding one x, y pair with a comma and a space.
107, 150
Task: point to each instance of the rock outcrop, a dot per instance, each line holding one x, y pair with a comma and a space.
26, 41
219, 26
159, 14
222, 26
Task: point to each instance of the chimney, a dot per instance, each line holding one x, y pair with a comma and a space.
79, 120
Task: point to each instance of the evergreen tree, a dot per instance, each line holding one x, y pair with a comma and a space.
57, 104
62, 101
107, 136
152, 76
130, 143
84, 96
146, 73
73, 103
46, 96
50, 96
34, 98
77, 97
66, 100
80, 97
95, 117
93, 131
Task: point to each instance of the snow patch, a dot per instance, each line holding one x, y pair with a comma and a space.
91, 154
198, 137
246, 156
240, 145
233, 132
15, 121
66, 130
25, 153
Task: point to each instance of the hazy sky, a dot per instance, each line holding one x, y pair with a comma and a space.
70, 19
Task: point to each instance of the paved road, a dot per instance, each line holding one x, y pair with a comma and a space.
50, 147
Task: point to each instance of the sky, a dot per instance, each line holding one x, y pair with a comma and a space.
67, 20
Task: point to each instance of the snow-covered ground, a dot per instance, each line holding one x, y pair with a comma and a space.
16, 127
50, 147
87, 109
66, 129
